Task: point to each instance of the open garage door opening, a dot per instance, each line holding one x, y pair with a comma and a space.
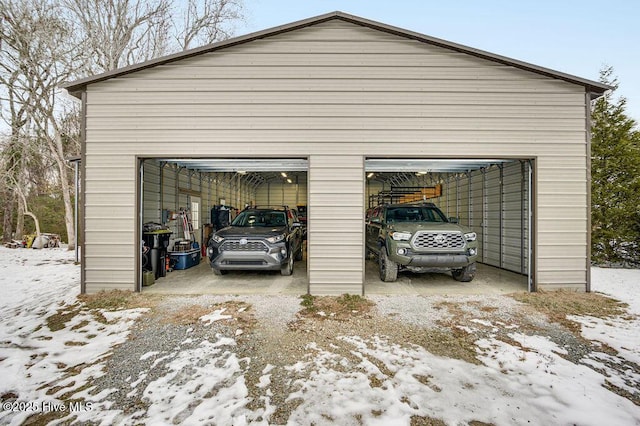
186, 203
448, 225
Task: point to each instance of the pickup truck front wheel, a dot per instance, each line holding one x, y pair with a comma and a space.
388, 268
465, 274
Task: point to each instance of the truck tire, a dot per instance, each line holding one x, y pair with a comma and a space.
465, 274
299, 253
218, 271
388, 268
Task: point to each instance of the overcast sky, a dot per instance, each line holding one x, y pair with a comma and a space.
577, 37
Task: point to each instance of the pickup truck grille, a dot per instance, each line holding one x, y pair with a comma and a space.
438, 240
248, 246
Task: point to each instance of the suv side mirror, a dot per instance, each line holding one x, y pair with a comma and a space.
453, 220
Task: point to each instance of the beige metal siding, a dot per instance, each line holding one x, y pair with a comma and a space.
335, 224
110, 211
338, 90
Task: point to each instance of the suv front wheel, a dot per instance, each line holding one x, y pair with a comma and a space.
388, 268
287, 268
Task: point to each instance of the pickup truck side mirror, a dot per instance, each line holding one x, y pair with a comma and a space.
454, 220
296, 225
375, 220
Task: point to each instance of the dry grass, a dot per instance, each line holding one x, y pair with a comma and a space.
59, 320
240, 313
338, 308
449, 343
187, 315
116, 300
558, 304
426, 421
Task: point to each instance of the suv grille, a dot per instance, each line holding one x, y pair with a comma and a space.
249, 246
438, 240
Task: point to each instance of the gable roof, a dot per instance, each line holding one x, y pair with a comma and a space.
594, 88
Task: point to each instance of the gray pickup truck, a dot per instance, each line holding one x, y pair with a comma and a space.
418, 237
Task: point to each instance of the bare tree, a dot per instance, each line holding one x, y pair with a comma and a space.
207, 21
117, 33
38, 57
44, 43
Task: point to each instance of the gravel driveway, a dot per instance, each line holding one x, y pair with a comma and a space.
273, 333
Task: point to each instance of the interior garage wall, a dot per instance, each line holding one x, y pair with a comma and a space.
168, 187
282, 193
492, 202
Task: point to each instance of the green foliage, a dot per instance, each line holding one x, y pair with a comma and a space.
49, 208
308, 302
615, 174
352, 301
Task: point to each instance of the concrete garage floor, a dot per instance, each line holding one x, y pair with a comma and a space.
201, 280
488, 280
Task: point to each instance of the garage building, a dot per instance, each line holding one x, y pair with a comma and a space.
346, 108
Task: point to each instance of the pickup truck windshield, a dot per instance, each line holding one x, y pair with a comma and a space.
415, 214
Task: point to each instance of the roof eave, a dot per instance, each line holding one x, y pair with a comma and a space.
76, 87
594, 88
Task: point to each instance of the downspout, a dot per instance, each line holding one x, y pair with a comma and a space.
75, 210
588, 172
469, 200
138, 245
500, 216
83, 186
529, 230
523, 218
485, 215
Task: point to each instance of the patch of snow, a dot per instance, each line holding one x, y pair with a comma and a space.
215, 316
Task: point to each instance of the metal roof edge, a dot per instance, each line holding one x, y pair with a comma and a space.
595, 88
591, 85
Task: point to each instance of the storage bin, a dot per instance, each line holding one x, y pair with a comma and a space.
186, 259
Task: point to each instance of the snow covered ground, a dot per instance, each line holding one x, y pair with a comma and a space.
47, 368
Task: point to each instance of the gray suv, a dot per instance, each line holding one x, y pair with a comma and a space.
257, 239
418, 237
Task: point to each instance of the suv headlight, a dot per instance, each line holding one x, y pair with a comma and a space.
276, 238
217, 238
470, 236
401, 236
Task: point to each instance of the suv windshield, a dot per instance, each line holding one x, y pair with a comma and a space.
415, 214
262, 218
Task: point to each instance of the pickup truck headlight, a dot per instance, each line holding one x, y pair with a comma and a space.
276, 238
217, 238
401, 236
470, 236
